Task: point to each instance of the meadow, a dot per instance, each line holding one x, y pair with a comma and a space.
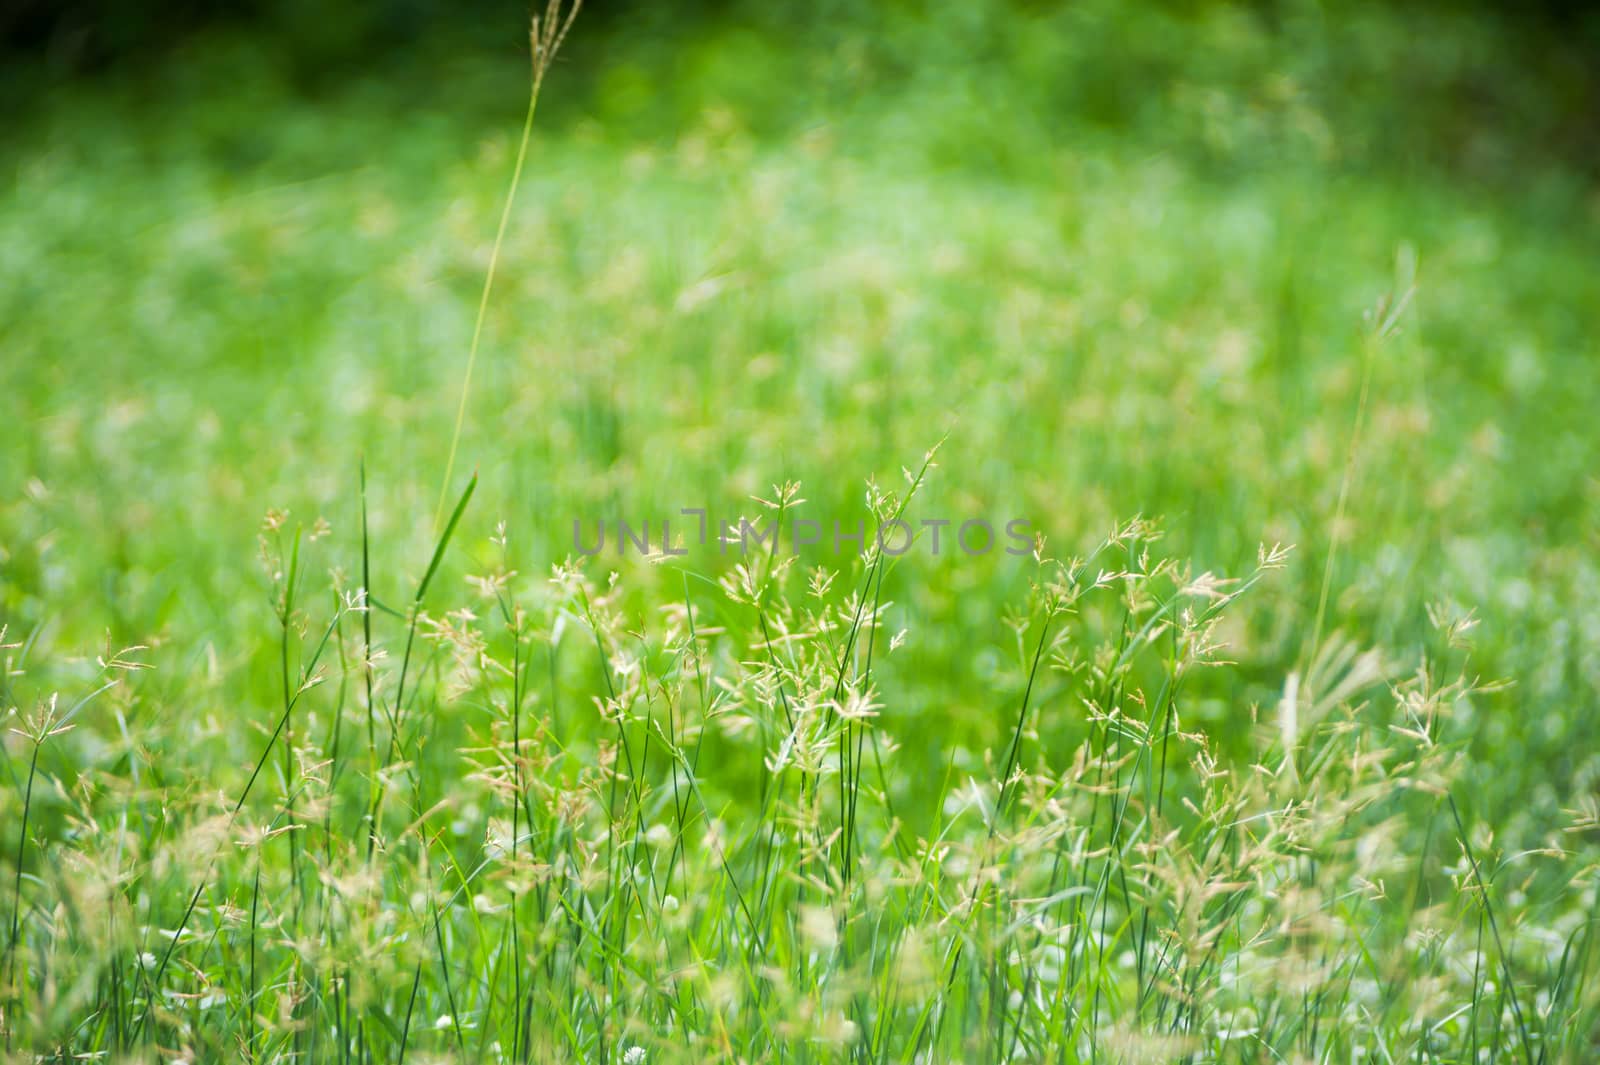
325, 741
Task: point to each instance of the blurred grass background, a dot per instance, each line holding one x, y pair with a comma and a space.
1121, 255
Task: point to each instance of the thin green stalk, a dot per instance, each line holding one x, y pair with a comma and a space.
16, 890
546, 36
1494, 929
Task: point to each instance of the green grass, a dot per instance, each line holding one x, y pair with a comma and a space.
1094, 805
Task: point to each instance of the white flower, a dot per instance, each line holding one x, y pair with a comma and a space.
444, 1021
633, 1056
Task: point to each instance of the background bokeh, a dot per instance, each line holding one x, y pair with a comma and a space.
1119, 256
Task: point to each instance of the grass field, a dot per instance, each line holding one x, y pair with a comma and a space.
1282, 745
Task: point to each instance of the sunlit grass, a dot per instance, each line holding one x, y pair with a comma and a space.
436, 788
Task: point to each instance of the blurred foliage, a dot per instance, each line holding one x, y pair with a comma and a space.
1121, 260
1478, 87
1121, 256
